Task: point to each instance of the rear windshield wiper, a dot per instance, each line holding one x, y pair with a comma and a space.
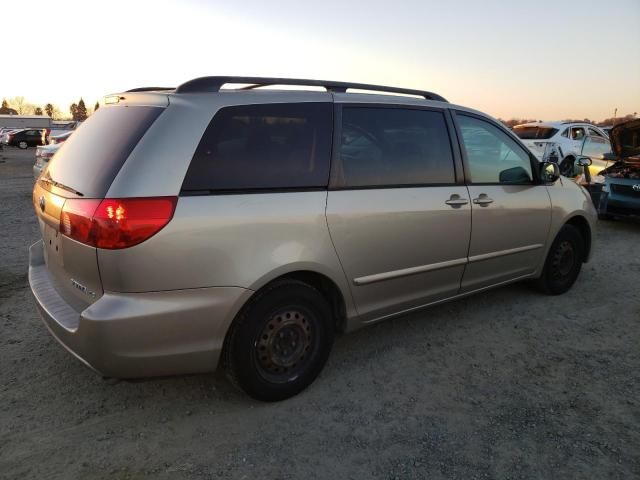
48, 179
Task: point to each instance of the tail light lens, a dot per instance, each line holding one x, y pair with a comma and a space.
115, 223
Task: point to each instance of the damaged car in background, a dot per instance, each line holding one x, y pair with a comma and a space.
615, 189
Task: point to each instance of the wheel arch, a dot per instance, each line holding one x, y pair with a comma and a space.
581, 223
335, 291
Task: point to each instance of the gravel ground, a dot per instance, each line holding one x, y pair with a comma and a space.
507, 384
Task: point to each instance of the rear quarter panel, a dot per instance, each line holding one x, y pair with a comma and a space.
240, 240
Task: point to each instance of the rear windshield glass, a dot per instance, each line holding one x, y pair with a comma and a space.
91, 158
529, 133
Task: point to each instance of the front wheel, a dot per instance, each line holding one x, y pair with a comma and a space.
279, 342
23, 145
563, 262
567, 167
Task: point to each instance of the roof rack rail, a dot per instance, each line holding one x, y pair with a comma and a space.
149, 89
214, 84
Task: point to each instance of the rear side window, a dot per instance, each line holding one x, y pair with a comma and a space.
267, 146
393, 147
92, 157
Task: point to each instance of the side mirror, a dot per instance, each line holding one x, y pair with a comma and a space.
549, 171
584, 162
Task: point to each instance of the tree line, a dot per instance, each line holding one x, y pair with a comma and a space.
79, 111
607, 122
19, 106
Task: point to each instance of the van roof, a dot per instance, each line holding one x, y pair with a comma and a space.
214, 84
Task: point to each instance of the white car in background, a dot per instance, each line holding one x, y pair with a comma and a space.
568, 137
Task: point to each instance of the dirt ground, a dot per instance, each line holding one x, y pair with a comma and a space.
507, 384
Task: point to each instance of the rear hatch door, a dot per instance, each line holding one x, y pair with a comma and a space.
82, 171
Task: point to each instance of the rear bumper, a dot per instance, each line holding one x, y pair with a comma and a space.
129, 335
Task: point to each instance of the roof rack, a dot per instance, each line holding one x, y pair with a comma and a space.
149, 89
214, 84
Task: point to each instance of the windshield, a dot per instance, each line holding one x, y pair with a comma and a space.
90, 159
530, 133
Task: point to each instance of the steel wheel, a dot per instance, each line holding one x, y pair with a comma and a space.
564, 261
564, 258
283, 345
279, 341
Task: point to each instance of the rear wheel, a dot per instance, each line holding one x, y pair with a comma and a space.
563, 262
280, 341
23, 145
567, 167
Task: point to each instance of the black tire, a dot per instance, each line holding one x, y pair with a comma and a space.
563, 262
567, 167
20, 145
279, 342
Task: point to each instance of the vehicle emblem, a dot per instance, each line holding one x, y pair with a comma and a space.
636, 187
41, 203
78, 286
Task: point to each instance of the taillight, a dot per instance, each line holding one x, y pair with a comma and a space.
76, 219
115, 223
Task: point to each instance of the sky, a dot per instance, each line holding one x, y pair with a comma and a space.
545, 59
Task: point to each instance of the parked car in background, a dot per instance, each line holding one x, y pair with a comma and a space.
616, 188
4, 132
59, 127
60, 138
44, 153
606, 130
26, 138
599, 150
568, 136
185, 228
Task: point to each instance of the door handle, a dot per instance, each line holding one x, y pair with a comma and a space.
483, 200
456, 201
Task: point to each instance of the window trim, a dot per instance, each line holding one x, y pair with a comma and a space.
336, 160
261, 190
571, 129
535, 164
597, 133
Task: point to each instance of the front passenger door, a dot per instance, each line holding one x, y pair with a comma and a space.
510, 209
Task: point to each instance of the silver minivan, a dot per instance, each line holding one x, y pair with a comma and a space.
190, 227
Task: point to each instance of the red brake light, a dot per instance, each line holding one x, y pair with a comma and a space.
76, 219
115, 223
